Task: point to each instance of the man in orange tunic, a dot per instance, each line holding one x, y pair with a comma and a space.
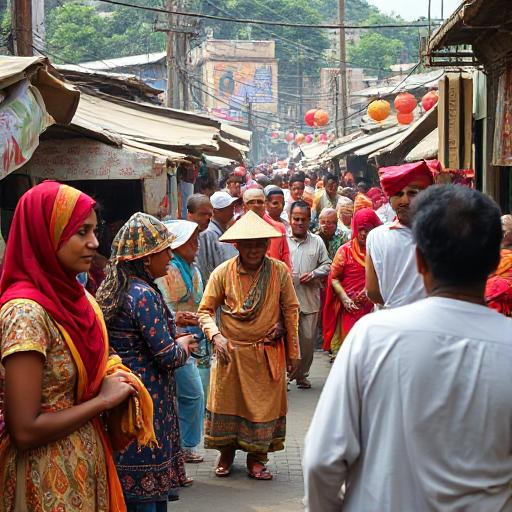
247, 404
254, 200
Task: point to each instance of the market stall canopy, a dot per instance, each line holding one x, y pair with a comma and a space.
395, 153
218, 161
362, 141
143, 123
427, 149
375, 146
31, 100
400, 84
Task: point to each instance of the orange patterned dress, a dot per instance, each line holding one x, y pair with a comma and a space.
69, 474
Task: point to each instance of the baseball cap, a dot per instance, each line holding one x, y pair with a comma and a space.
221, 200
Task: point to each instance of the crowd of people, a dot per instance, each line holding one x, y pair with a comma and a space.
198, 326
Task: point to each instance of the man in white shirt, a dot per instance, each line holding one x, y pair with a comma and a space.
392, 279
416, 414
311, 265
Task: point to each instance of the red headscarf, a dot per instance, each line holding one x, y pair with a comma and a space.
394, 179
377, 196
364, 219
46, 217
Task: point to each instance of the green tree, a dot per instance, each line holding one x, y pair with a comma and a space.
76, 33
375, 50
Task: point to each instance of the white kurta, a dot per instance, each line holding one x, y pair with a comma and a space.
393, 253
416, 414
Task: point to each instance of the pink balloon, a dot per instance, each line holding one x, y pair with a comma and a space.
309, 138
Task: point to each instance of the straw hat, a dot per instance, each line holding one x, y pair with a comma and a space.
182, 230
141, 236
250, 227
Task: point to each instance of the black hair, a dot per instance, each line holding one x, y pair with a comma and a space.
330, 176
298, 176
302, 205
362, 184
458, 232
195, 201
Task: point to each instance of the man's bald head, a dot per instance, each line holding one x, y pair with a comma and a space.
254, 200
328, 212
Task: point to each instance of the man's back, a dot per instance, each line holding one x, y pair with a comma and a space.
392, 251
431, 429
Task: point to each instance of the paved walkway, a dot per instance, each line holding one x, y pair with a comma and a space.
238, 493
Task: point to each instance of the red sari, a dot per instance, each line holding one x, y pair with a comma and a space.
498, 291
348, 267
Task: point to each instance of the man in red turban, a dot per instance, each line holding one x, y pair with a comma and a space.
392, 278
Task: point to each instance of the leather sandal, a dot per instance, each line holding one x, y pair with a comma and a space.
261, 474
222, 469
304, 384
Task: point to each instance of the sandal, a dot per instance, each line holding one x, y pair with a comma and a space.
262, 474
304, 384
187, 482
192, 458
223, 470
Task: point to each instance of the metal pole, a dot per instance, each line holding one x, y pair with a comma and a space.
343, 68
22, 27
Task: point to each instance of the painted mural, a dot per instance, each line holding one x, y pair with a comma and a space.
239, 83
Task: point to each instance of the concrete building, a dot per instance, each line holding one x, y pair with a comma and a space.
231, 74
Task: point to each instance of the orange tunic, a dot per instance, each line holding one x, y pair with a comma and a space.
247, 404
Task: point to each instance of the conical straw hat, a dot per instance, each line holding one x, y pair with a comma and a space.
250, 227
141, 236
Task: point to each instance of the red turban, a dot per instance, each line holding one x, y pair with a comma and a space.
394, 179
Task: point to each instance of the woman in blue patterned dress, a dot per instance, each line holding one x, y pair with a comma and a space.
143, 334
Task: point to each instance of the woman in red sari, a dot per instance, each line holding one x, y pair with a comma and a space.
346, 301
56, 375
498, 291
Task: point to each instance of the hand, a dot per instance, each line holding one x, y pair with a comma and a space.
186, 319
221, 347
115, 389
349, 305
189, 343
275, 333
306, 277
292, 367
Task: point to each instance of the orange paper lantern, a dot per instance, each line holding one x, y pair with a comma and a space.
321, 118
309, 118
405, 118
299, 138
379, 110
429, 100
405, 103
289, 136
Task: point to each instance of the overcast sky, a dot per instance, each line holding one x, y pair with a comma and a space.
412, 9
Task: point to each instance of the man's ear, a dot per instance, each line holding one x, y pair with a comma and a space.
421, 264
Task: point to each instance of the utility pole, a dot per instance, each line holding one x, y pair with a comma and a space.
21, 15
337, 104
171, 83
343, 68
300, 87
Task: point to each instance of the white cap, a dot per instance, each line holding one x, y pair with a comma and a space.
182, 230
221, 200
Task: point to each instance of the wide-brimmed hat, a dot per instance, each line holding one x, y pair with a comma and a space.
250, 227
140, 236
182, 230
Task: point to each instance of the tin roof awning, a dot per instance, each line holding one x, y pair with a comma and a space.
427, 149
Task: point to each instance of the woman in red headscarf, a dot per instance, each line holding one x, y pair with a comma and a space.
54, 361
346, 301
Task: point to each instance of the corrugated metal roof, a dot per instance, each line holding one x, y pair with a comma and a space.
427, 149
121, 62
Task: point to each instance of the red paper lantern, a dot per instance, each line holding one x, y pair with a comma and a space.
274, 135
321, 118
429, 100
405, 103
299, 138
379, 110
405, 118
289, 136
309, 118
239, 171
309, 138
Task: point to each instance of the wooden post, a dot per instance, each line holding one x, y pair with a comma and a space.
22, 27
170, 58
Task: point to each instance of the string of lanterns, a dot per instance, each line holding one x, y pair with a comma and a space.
405, 103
